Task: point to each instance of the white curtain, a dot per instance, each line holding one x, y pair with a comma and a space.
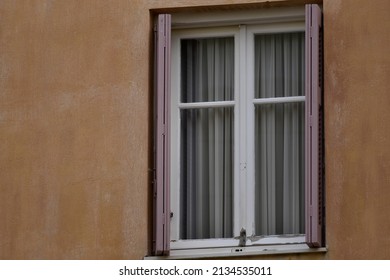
206, 202
279, 135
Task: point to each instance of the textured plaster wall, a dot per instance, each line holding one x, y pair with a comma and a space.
75, 127
357, 128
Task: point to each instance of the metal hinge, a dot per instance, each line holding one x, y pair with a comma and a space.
154, 174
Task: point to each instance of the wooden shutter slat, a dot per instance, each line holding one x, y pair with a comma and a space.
314, 128
161, 209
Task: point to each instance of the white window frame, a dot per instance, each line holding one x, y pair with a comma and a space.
242, 26
177, 35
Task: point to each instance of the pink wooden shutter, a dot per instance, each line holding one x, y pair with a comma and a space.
161, 141
314, 128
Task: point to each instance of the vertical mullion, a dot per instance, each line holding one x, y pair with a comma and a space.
240, 194
250, 125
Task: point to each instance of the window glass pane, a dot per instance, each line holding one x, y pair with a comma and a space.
206, 173
279, 65
280, 169
207, 69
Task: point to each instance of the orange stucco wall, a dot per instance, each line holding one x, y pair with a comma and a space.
357, 128
75, 127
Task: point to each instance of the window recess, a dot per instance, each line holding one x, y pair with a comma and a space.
240, 158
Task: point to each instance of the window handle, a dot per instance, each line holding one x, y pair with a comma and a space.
242, 241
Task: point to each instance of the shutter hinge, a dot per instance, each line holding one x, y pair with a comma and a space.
154, 174
311, 211
311, 31
164, 130
311, 120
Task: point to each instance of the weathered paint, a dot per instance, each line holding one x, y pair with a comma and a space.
162, 89
313, 128
76, 126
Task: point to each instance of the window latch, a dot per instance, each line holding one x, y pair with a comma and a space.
242, 241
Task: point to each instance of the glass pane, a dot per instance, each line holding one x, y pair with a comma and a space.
279, 65
206, 173
280, 169
207, 69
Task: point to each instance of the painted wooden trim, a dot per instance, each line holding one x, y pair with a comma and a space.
278, 100
231, 242
161, 238
204, 105
227, 252
313, 180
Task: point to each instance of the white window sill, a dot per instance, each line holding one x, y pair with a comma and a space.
238, 252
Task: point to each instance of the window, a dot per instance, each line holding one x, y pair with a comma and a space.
238, 152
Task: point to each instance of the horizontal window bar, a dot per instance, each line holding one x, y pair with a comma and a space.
275, 100
200, 105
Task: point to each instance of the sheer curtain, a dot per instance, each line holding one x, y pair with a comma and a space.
206, 151
279, 135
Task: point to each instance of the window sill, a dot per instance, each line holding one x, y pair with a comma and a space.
238, 252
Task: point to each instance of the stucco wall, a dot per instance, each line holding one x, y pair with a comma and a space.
75, 127
357, 128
